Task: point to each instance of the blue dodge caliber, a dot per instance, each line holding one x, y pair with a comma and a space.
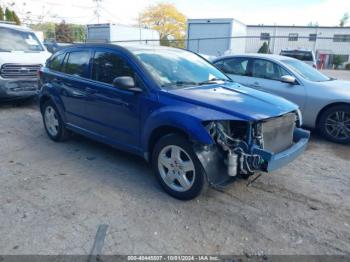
189, 120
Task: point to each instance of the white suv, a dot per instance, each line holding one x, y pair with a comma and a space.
21, 56
305, 55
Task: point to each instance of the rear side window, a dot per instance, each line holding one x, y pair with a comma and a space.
107, 66
56, 62
235, 66
77, 63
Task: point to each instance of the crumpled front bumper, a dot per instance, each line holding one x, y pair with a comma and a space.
214, 160
11, 89
276, 161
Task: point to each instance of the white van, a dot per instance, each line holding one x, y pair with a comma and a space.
21, 56
305, 55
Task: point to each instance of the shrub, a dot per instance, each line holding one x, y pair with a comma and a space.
347, 66
337, 61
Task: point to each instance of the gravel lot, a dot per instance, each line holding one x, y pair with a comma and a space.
54, 196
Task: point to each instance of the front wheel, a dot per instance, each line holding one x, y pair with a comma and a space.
177, 167
334, 124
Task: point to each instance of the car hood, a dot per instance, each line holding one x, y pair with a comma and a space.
19, 57
240, 101
337, 86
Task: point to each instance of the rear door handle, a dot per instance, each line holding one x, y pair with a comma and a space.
90, 90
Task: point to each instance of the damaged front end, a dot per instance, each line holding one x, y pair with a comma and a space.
243, 147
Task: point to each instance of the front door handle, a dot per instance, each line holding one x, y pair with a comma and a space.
256, 85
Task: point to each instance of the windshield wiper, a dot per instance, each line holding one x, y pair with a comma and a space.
180, 83
213, 81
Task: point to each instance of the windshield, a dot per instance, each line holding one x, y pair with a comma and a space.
15, 40
173, 68
300, 55
306, 71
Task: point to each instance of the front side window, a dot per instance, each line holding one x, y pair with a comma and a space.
235, 66
267, 70
77, 63
174, 68
107, 66
306, 71
16, 40
56, 62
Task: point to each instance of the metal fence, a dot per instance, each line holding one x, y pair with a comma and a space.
329, 51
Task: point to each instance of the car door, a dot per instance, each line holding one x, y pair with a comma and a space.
266, 76
112, 112
72, 83
237, 68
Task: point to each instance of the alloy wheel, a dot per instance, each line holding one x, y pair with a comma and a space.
337, 125
51, 121
176, 168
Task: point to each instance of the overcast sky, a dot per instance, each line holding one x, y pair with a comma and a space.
281, 12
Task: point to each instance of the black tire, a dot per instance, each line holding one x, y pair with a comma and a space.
62, 133
329, 117
199, 181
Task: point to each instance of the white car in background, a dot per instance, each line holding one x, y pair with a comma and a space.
21, 56
307, 56
323, 101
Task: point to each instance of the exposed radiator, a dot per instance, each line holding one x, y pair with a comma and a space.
278, 132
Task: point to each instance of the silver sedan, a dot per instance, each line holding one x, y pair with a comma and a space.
323, 101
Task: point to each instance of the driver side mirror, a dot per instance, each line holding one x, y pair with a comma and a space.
127, 83
289, 79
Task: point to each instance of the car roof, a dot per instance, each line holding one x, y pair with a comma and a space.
266, 56
128, 46
16, 27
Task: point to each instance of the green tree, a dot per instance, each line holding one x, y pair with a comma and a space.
8, 15
16, 18
47, 28
344, 20
63, 33
264, 49
78, 32
337, 61
1, 14
167, 20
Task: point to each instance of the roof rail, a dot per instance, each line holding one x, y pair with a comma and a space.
7, 22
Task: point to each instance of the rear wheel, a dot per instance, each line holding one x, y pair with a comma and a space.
53, 123
177, 167
334, 124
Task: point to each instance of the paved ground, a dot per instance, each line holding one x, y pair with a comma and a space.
54, 196
339, 74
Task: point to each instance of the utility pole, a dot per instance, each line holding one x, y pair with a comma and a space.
97, 9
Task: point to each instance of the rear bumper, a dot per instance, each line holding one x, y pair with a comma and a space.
11, 89
276, 161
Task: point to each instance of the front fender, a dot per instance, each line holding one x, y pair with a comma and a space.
188, 119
